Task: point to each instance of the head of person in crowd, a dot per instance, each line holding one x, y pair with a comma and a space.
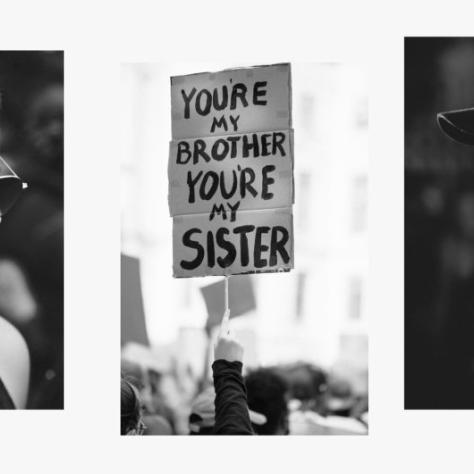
157, 425
32, 110
44, 126
131, 422
133, 373
202, 417
341, 398
307, 384
267, 394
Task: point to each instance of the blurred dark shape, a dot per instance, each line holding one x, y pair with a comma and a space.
439, 226
306, 383
133, 326
10, 187
241, 299
203, 416
341, 399
130, 409
267, 394
148, 385
154, 403
156, 425
31, 124
458, 125
133, 373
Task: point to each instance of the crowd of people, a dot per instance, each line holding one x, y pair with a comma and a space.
31, 233
288, 399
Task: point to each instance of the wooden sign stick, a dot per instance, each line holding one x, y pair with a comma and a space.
225, 319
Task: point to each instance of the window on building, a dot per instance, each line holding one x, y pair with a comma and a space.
359, 203
300, 292
304, 198
355, 298
362, 114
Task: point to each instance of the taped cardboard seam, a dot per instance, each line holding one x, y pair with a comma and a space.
180, 218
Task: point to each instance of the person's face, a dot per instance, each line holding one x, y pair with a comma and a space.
45, 125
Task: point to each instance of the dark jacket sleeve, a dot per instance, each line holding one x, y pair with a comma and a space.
6, 403
232, 414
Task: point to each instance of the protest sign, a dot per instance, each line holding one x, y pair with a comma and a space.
255, 170
231, 101
231, 172
256, 241
241, 298
132, 311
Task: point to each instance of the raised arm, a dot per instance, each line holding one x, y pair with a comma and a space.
232, 413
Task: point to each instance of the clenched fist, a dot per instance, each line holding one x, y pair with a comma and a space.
228, 349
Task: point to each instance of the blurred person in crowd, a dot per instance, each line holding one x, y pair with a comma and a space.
158, 416
32, 237
307, 422
156, 425
203, 413
328, 408
319, 404
134, 419
155, 409
133, 372
307, 384
267, 394
341, 398
131, 421
14, 367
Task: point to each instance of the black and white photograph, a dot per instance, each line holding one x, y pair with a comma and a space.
244, 249
439, 223
31, 230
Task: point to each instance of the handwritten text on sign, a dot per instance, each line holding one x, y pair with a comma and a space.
239, 172
232, 101
254, 241
231, 172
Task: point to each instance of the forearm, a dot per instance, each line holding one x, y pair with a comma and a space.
232, 415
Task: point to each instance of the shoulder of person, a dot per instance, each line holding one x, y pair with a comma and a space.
14, 363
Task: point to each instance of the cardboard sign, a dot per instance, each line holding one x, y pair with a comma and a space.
256, 241
254, 170
231, 172
241, 299
231, 101
133, 314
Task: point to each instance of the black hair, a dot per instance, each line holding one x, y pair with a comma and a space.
266, 394
129, 407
